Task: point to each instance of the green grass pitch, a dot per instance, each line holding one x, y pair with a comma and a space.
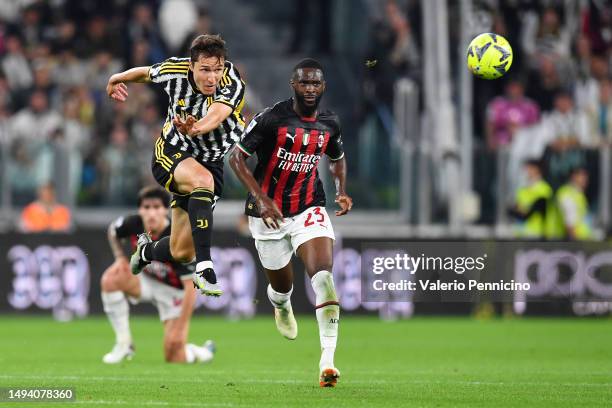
424, 362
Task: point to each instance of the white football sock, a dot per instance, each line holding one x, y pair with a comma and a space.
200, 266
328, 315
118, 311
279, 300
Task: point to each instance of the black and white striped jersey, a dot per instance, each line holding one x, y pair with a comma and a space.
186, 99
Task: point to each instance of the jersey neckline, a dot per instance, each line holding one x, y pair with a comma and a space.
302, 118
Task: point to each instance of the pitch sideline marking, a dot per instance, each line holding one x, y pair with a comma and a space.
250, 381
154, 403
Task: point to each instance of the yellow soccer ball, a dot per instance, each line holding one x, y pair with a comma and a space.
489, 56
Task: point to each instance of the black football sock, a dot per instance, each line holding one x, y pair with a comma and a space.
200, 207
158, 251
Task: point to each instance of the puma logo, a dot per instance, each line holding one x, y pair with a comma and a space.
203, 224
290, 136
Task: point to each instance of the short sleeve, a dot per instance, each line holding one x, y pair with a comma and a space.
171, 68
231, 88
127, 226
334, 150
254, 133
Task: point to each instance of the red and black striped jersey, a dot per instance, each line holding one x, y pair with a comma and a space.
170, 273
288, 150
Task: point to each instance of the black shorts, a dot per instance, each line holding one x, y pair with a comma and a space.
164, 162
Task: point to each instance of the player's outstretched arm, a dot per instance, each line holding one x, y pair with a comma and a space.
116, 88
269, 212
338, 171
217, 113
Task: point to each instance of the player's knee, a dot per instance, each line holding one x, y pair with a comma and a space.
108, 282
202, 179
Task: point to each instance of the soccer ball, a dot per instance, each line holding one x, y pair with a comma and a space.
489, 56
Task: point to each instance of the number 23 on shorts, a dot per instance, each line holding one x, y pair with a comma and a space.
317, 214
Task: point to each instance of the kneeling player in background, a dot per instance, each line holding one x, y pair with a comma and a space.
286, 203
166, 285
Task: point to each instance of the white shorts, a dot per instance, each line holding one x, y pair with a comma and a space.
275, 246
167, 299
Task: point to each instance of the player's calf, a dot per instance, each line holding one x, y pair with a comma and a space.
328, 316
117, 283
161, 251
178, 247
200, 215
117, 310
283, 313
181, 252
194, 178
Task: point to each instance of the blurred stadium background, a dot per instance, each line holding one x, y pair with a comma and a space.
432, 153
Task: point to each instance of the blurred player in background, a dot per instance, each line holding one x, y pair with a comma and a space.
166, 285
533, 204
286, 202
204, 121
576, 220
